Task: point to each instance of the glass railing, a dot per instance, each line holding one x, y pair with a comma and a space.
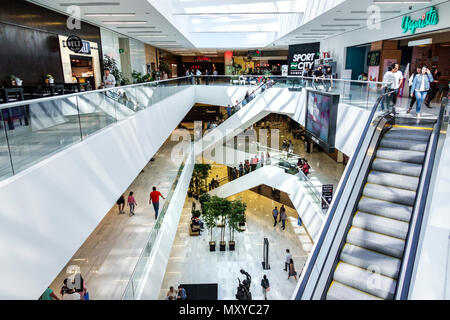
137, 278
32, 130
282, 159
362, 94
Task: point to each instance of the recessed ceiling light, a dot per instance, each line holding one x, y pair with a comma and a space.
137, 27
89, 4
110, 14
124, 22
151, 36
382, 11
320, 30
316, 34
143, 32
350, 19
340, 25
401, 2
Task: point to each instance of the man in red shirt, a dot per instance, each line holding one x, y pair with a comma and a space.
154, 197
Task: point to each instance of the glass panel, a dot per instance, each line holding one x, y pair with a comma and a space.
6, 169
97, 110
37, 130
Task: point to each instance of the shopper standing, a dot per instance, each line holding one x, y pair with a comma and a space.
154, 198
420, 87
131, 203
389, 79
288, 259
292, 272
109, 81
265, 286
398, 75
275, 215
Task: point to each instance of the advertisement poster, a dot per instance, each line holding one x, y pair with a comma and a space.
327, 194
387, 63
284, 70
319, 107
373, 73
302, 56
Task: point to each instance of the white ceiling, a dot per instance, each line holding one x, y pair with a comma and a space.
210, 27
348, 16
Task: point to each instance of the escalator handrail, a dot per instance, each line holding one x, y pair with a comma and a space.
329, 218
411, 246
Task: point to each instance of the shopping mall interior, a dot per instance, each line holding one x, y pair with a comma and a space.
224, 150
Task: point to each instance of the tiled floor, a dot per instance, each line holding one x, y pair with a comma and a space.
191, 261
107, 258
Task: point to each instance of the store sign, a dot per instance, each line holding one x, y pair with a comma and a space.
302, 56
75, 44
429, 18
202, 59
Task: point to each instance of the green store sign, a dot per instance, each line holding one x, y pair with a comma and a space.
429, 18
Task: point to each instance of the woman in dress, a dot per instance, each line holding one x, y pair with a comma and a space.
292, 272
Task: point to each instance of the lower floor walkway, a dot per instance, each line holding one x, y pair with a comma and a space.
191, 262
108, 257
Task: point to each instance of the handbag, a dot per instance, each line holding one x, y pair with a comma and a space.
267, 289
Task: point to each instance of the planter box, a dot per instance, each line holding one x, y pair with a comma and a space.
223, 245
212, 246
231, 245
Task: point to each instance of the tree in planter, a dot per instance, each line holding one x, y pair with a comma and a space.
205, 197
237, 216
201, 173
164, 67
221, 208
209, 214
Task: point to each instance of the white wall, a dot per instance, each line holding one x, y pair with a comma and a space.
50, 209
137, 56
389, 29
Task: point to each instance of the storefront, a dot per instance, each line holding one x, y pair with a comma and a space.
418, 37
203, 63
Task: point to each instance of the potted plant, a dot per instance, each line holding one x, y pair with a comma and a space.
221, 208
209, 218
111, 64
205, 197
236, 217
49, 79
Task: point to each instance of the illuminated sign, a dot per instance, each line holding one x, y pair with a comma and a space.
202, 59
302, 56
429, 18
75, 44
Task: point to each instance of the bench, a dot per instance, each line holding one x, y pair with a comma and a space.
196, 231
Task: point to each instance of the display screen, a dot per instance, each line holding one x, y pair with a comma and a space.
318, 116
373, 58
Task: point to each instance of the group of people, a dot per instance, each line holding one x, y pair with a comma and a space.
179, 294
250, 165
303, 166
280, 215
132, 204
288, 266
72, 289
321, 75
423, 86
287, 148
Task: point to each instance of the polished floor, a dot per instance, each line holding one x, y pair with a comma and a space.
191, 262
108, 257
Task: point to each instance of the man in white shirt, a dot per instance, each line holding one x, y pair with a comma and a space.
398, 81
288, 260
109, 81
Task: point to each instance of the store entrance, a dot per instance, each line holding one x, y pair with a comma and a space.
82, 69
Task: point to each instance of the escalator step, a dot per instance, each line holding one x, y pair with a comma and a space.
365, 280
339, 291
385, 209
393, 180
391, 194
367, 259
416, 135
376, 241
401, 155
396, 143
397, 167
379, 224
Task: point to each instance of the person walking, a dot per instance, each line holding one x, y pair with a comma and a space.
121, 204
420, 87
131, 203
390, 80
154, 198
241, 170
410, 82
292, 272
265, 286
288, 259
229, 111
283, 217
398, 75
275, 215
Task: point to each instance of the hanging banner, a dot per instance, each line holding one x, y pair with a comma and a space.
302, 56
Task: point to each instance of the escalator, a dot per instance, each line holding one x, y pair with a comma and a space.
368, 243
376, 238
